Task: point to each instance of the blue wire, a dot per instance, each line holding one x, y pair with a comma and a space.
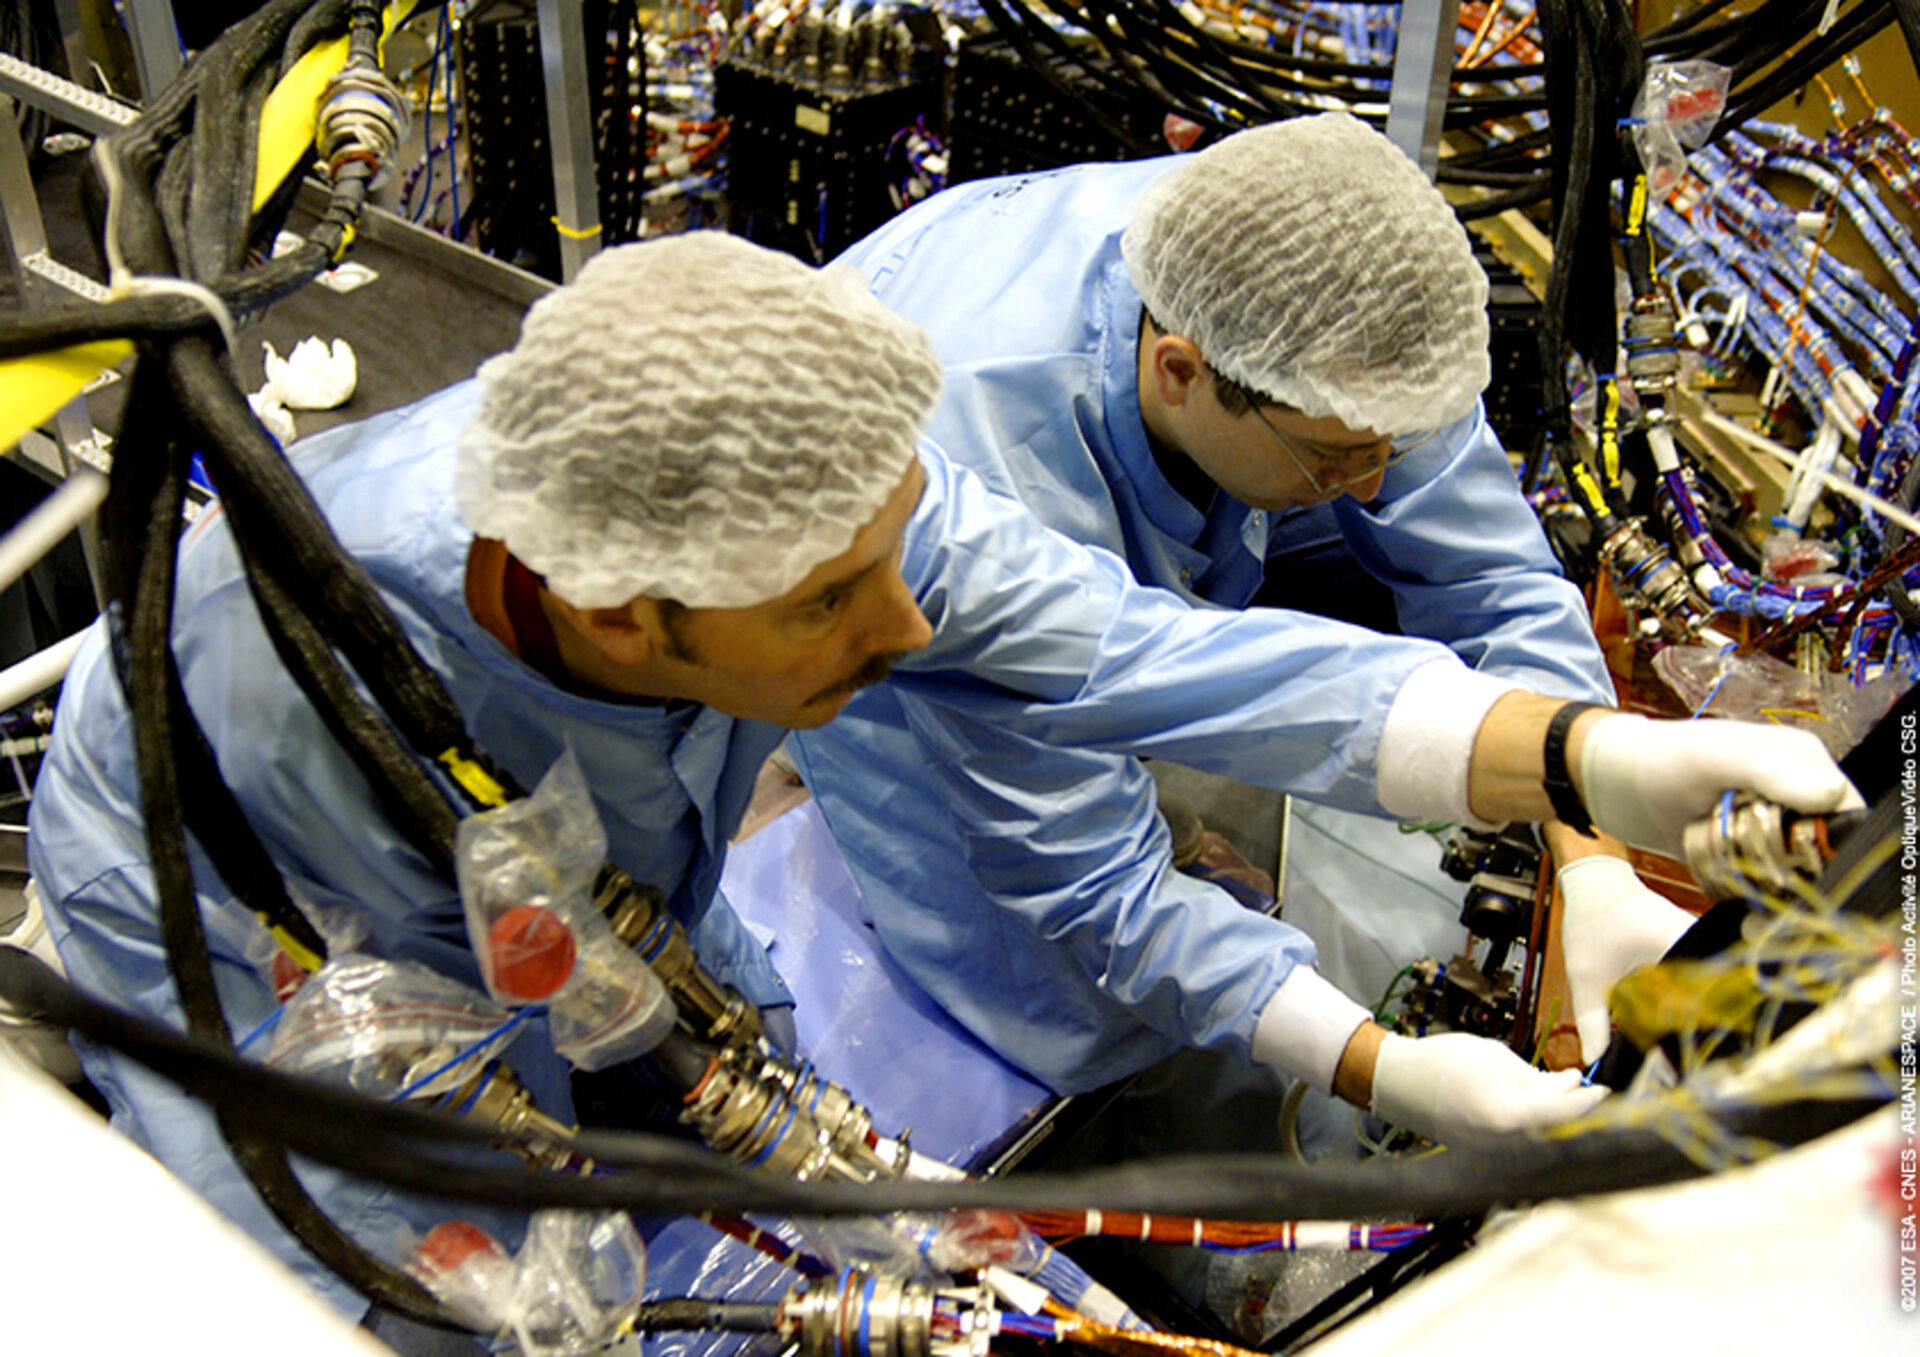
1712, 693
468, 1052
266, 1025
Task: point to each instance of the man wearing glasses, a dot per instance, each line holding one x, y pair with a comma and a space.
1201, 363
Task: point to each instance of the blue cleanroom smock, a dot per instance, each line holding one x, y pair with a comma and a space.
670, 785
1021, 286
1036, 639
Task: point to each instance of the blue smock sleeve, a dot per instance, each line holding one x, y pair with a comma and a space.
1469, 566
1011, 854
1071, 844
1058, 641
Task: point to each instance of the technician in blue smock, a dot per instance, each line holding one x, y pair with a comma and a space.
685, 514
476, 512
1207, 364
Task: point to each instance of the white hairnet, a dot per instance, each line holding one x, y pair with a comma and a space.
694, 418
1313, 263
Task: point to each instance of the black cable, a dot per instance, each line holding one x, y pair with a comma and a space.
1753, 39
1908, 13
1495, 203
693, 1315
430, 1153
1181, 54
1657, 41
1541, 139
1746, 101
1047, 54
1450, 173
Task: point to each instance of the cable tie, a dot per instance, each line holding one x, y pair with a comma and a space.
574, 233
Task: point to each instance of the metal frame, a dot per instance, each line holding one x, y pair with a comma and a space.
1422, 65
563, 63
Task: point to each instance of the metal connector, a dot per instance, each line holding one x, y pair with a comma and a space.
762, 1111
639, 918
1645, 575
1653, 353
1758, 848
363, 119
861, 1315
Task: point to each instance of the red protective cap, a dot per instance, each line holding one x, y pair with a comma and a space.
452, 1243
287, 976
533, 953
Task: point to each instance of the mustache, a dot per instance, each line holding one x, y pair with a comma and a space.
873, 671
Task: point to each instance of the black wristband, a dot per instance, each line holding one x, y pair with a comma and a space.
1568, 808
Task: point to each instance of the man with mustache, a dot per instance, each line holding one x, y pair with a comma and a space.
689, 512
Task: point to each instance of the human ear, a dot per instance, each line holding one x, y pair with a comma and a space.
1177, 368
629, 633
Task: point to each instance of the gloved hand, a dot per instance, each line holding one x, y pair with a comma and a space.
1458, 1089
1613, 924
1645, 781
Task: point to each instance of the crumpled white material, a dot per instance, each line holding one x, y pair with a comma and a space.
270, 412
315, 376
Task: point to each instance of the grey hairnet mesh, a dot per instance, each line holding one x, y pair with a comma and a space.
694, 418
1313, 263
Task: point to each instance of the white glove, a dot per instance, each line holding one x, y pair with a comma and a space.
1458, 1089
1613, 925
1645, 781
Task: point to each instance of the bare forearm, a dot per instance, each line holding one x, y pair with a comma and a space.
1504, 780
1353, 1080
1569, 845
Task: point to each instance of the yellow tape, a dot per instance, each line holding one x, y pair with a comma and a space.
289, 116
304, 959
1610, 435
1583, 478
1637, 205
478, 782
33, 387
1682, 996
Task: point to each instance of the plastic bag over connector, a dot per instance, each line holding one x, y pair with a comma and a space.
574, 1286
1674, 112
526, 875
387, 1028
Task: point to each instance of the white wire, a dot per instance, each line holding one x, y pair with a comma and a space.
121, 281
56, 516
38, 672
1893, 513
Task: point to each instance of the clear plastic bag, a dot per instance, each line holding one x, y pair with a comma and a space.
1760, 688
526, 873
342, 928
573, 1287
1675, 110
386, 1028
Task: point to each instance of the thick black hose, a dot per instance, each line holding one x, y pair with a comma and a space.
149, 163
1036, 42
272, 506
656, 1175
692, 1315
1748, 100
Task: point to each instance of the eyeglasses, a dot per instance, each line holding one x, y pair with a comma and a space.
1401, 446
